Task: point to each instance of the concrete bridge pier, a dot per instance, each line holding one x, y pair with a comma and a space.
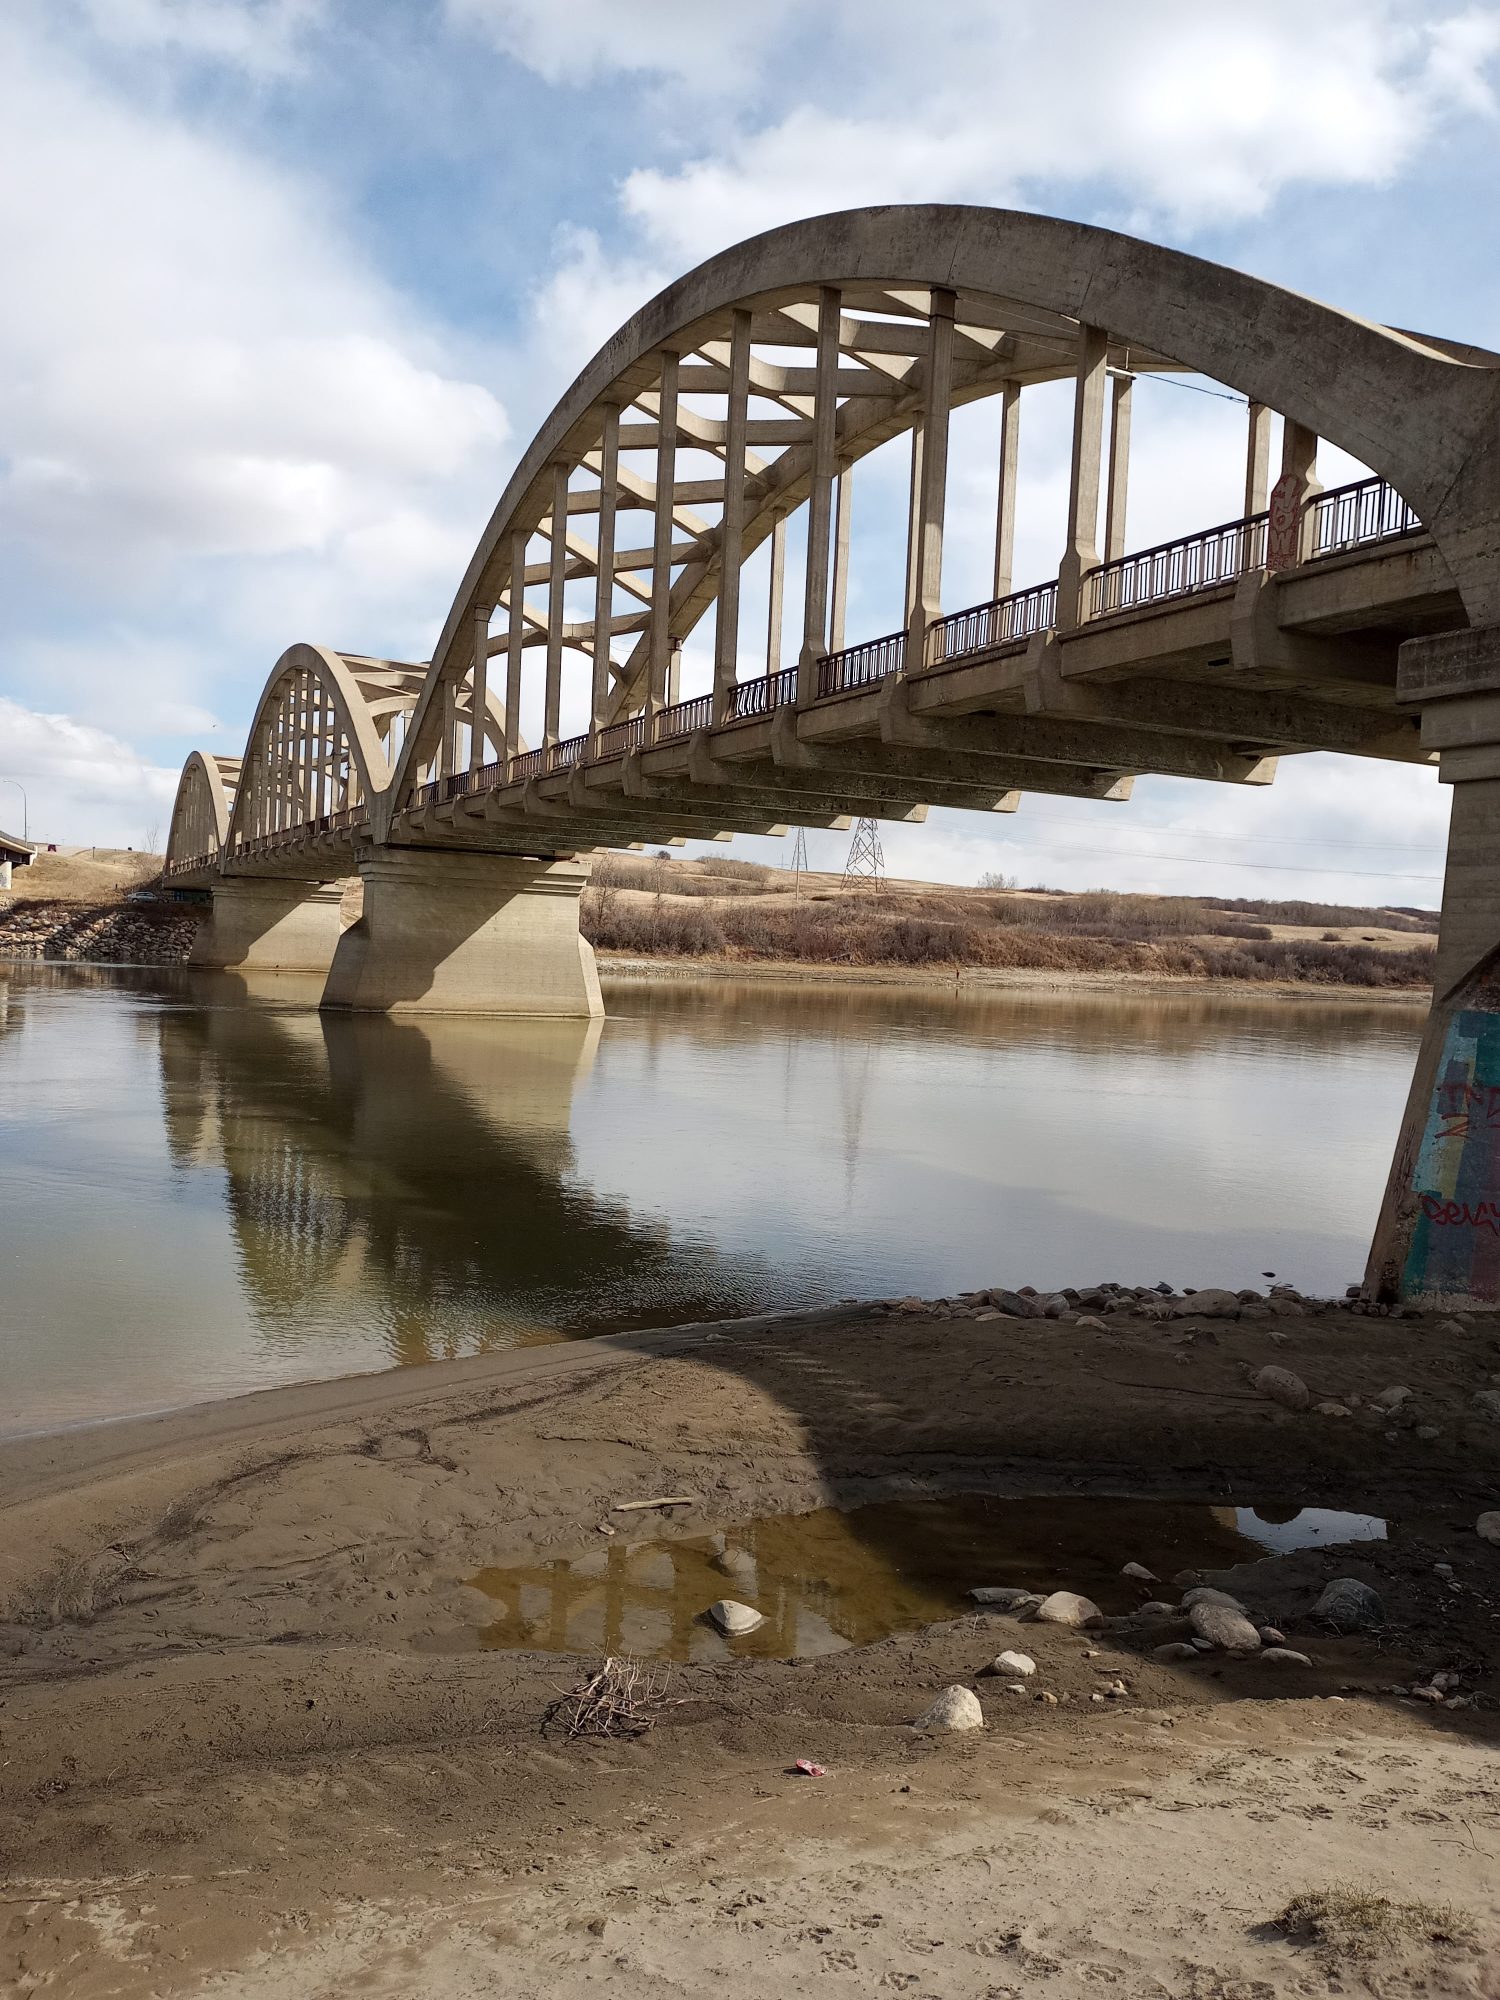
1438, 1238
270, 926
466, 934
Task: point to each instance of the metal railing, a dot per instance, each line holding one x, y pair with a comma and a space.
188, 865
761, 697
529, 764
622, 736
1348, 517
563, 756
1178, 569
1004, 621
861, 666
683, 717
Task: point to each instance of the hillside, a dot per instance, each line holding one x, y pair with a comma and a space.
84, 875
737, 911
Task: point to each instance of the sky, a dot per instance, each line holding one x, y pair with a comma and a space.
290, 284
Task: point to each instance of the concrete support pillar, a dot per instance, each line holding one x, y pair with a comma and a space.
731, 541
515, 647
1119, 468
556, 587
659, 642
479, 688
1438, 1238
926, 562
271, 926
466, 934
1257, 460
1005, 500
1081, 556
842, 524
820, 496
776, 595
604, 578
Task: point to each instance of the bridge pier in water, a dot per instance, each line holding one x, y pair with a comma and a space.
446, 933
270, 926
1438, 1238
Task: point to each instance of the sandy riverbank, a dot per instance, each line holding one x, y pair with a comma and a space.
250, 1744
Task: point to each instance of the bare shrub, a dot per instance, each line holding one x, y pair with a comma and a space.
1344, 1923
624, 1698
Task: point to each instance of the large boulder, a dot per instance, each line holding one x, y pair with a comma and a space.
1487, 1527
1349, 1606
735, 1619
1228, 1630
1066, 1607
1280, 1385
1210, 1304
1204, 1593
955, 1708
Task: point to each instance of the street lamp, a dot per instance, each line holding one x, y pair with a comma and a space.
25, 808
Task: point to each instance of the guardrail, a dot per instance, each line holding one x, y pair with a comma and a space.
1178, 569
763, 696
563, 756
863, 665
683, 717
189, 865
1004, 621
622, 736
1349, 517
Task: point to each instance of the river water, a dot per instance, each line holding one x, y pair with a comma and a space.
205, 1189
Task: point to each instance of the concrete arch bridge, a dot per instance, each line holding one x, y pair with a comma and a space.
1363, 619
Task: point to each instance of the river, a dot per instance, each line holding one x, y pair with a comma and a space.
205, 1189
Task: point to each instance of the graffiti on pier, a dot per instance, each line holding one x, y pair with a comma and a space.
1455, 1242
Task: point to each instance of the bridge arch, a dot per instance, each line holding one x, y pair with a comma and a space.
201, 810
886, 298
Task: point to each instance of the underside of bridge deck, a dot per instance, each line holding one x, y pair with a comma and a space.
738, 406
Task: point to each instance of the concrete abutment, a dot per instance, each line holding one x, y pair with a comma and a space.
270, 926
446, 933
1438, 1238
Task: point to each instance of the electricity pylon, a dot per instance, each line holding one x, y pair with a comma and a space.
799, 860
865, 868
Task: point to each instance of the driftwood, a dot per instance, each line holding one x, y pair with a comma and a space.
623, 1698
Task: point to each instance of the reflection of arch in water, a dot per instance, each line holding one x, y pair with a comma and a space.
424, 1170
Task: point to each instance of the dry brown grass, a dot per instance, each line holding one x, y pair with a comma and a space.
93, 875
1344, 1924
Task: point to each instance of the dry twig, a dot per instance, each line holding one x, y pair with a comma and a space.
623, 1698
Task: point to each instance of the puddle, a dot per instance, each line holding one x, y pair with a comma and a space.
833, 1579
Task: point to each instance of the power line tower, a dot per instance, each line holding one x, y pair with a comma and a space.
799, 860
865, 868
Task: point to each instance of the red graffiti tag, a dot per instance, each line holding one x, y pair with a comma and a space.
1468, 1107
1454, 1214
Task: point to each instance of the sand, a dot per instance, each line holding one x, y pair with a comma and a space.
250, 1743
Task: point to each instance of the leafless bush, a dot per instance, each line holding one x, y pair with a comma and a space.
624, 1698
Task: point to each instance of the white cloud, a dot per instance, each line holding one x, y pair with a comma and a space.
710, 46
81, 783
1203, 113
261, 37
203, 368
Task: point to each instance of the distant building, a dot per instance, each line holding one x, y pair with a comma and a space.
14, 854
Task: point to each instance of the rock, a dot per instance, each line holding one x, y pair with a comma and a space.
1229, 1630
1431, 1694
1487, 1401
1284, 1656
1349, 1605
1043, 1695
1055, 1305
1487, 1527
1140, 1571
1015, 1304
1003, 1597
1012, 1663
1092, 1321
1281, 1386
1269, 1636
1066, 1607
1211, 1304
1178, 1650
1391, 1399
1204, 1594
1445, 1570
735, 1619
1155, 1608
1187, 1579
1427, 1432
1332, 1410
955, 1708
1450, 1329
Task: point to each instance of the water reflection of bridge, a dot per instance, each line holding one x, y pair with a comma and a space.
420, 1176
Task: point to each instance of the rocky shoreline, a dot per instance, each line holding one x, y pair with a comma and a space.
100, 933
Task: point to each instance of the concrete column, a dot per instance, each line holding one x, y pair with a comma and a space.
732, 532
1082, 552
1257, 460
913, 519
659, 649
839, 609
1437, 1241
479, 688
514, 647
556, 588
1119, 468
927, 563
604, 579
776, 597
466, 934
1005, 503
820, 495
270, 926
